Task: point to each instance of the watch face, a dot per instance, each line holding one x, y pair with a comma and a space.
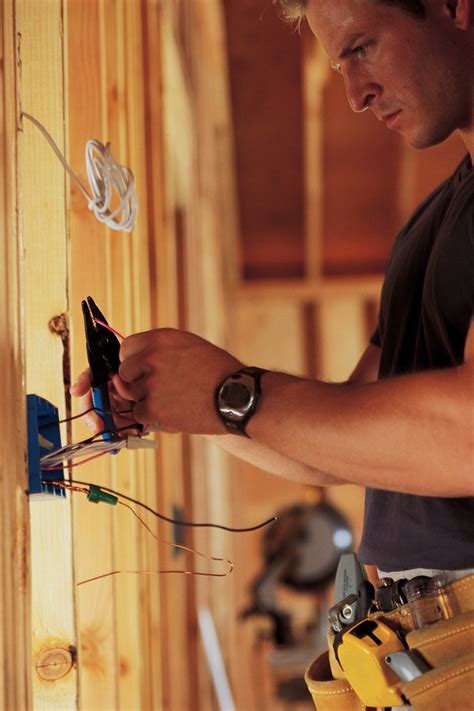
236, 396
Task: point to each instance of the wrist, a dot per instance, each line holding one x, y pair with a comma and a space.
274, 401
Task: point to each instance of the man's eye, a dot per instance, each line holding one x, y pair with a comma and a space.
361, 50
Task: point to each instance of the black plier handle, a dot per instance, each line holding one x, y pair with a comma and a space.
103, 349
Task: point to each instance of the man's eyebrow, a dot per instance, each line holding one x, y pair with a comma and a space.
349, 46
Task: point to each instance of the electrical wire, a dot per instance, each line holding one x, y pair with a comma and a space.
109, 328
173, 570
93, 444
57, 468
106, 179
85, 412
191, 524
105, 176
72, 487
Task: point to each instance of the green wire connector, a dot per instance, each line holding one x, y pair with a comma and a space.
96, 494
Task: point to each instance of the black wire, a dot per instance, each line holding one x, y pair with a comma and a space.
97, 435
81, 414
172, 520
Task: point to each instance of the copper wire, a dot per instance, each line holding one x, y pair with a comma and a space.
73, 487
66, 485
162, 572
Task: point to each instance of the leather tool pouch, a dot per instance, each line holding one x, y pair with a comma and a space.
330, 694
448, 647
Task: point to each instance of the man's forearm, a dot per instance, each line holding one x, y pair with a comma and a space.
412, 433
272, 461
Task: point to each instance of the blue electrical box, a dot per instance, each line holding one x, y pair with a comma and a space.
43, 437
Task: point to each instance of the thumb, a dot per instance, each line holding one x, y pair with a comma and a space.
82, 384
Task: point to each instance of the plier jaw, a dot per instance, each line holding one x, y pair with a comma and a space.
103, 349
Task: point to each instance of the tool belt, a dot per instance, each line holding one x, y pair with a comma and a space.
447, 647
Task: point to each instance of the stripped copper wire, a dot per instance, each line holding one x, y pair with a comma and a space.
83, 490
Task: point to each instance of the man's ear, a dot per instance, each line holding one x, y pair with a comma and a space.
461, 12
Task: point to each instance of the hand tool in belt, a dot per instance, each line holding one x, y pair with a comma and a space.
353, 593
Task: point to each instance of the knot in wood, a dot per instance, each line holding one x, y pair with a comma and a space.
53, 664
59, 325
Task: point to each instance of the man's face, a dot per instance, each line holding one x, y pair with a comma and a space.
410, 72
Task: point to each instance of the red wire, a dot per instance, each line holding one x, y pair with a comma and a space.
109, 328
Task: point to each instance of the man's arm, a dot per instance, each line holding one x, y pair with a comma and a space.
412, 433
270, 460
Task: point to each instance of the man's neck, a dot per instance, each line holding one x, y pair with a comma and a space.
468, 139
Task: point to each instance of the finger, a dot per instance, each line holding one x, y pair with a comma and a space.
132, 368
118, 403
139, 412
90, 418
82, 384
93, 422
123, 389
134, 344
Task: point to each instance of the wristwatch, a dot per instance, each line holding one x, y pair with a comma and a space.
237, 398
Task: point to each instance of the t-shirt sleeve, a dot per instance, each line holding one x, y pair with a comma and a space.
375, 338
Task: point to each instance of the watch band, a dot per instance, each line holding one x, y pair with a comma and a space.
239, 426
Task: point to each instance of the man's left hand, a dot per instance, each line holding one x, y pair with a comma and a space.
172, 377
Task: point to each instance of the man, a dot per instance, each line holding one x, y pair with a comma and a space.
402, 426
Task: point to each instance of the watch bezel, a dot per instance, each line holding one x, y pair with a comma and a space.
235, 419
234, 413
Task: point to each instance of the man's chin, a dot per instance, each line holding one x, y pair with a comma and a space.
420, 140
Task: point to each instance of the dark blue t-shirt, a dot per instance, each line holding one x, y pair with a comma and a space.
425, 314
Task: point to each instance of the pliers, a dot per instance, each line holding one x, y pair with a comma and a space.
103, 349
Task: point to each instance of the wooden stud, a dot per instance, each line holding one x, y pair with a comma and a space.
15, 622
43, 229
88, 275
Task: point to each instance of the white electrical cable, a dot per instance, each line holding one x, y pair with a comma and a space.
106, 178
71, 451
105, 175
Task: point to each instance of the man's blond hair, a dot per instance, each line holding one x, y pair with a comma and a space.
294, 11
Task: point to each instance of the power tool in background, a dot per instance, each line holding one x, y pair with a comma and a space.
293, 592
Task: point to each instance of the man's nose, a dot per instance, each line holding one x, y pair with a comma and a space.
360, 91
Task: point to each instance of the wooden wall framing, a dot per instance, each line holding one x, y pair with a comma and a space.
94, 70
15, 642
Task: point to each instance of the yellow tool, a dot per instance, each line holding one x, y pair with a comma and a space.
361, 650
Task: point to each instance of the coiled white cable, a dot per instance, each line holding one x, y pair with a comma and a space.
105, 175
106, 178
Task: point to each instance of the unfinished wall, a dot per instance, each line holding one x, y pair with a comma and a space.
118, 72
